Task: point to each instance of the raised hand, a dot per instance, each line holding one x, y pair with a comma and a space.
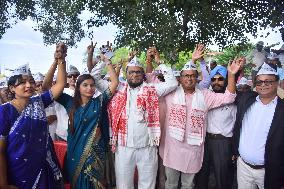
90, 48
235, 65
131, 55
60, 52
151, 53
198, 52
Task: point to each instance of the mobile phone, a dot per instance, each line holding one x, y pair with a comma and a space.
109, 54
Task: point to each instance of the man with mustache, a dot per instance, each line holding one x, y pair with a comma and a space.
218, 141
259, 133
185, 124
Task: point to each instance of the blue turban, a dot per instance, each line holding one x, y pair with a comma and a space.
219, 70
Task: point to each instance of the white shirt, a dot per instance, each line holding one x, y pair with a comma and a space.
281, 58
137, 129
69, 91
255, 127
50, 110
62, 120
222, 120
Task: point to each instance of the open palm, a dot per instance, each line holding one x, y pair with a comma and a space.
235, 66
198, 52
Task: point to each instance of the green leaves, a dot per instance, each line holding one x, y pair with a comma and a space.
172, 26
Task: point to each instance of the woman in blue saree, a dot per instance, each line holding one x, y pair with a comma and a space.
88, 135
27, 157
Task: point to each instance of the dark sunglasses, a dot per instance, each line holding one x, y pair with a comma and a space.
219, 79
73, 75
266, 82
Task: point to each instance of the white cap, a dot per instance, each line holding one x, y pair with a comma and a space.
22, 70
272, 56
176, 73
189, 66
266, 69
72, 70
3, 82
134, 62
38, 77
243, 81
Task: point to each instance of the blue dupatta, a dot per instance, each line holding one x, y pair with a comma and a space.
31, 160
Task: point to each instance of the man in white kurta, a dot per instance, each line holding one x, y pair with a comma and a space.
138, 150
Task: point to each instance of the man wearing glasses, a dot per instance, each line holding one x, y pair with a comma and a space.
134, 119
185, 124
218, 141
259, 134
72, 74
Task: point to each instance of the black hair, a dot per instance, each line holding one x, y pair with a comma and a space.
14, 81
77, 100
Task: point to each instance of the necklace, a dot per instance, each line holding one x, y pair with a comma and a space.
17, 106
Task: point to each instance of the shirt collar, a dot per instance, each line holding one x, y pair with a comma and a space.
274, 101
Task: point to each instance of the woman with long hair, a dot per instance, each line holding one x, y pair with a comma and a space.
27, 156
88, 135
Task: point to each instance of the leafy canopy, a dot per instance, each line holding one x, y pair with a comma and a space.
171, 25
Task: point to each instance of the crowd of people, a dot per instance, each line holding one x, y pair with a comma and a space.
174, 127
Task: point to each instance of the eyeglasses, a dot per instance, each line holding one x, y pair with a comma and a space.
266, 82
73, 75
139, 72
188, 76
213, 79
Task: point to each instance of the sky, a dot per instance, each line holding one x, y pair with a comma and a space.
21, 45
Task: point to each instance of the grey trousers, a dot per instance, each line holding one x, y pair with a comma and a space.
172, 179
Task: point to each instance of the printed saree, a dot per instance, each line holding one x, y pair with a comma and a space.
31, 160
87, 147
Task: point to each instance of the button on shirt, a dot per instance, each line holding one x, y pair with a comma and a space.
221, 120
256, 124
137, 128
137, 131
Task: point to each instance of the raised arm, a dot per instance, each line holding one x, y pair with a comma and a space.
205, 82
60, 54
233, 68
90, 51
170, 84
113, 76
47, 82
149, 58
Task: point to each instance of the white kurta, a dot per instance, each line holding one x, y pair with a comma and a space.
137, 151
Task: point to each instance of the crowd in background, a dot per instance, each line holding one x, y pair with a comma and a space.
174, 127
